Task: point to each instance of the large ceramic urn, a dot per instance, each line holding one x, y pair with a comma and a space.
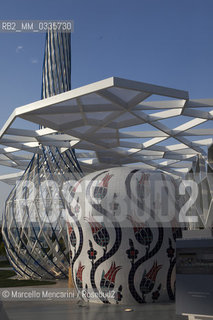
122, 228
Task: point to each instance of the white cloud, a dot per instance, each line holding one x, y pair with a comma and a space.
19, 48
33, 60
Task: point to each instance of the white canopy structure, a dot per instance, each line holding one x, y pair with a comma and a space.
113, 122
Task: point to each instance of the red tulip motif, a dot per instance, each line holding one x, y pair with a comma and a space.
72, 235
79, 273
99, 232
148, 279
142, 233
108, 279
101, 190
144, 178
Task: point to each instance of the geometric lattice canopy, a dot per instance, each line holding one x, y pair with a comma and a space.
113, 122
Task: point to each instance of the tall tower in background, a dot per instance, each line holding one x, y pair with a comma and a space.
36, 243
56, 74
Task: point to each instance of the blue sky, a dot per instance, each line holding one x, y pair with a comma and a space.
164, 42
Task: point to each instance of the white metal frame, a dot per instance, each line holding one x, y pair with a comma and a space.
98, 120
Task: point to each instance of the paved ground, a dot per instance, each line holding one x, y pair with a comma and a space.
75, 310
52, 310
